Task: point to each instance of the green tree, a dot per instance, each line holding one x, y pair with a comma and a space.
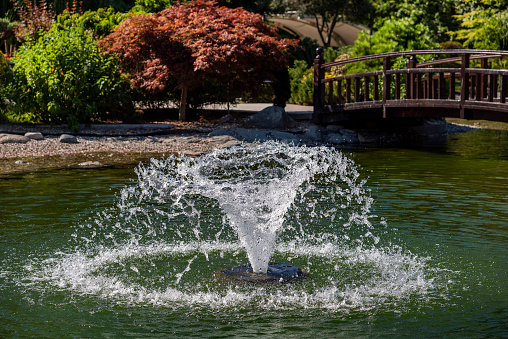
394, 35
484, 26
437, 15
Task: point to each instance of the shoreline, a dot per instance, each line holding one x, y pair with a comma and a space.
119, 144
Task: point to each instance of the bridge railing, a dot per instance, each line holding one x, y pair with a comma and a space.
448, 83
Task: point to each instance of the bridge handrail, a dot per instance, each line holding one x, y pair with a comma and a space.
418, 83
478, 54
457, 70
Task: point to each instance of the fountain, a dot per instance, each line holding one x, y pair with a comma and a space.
254, 186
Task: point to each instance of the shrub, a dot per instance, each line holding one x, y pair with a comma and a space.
151, 6
302, 77
34, 19
4, 67
101, 22
197, 44
63, 77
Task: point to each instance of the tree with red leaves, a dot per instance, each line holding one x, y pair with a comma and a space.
196, 43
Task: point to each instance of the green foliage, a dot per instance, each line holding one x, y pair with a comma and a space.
302, 76
437, 15
302, 83
395, 35
101, 22
485, 26
63, 77
151, 6
4, 67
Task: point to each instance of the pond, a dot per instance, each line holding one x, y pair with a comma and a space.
408, 242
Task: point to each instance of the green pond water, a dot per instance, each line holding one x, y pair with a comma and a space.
430, 258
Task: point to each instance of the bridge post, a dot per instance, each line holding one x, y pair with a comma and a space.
319, 91
410, 78
387, 64
464, 83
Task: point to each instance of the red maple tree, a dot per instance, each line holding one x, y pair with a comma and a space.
194, 43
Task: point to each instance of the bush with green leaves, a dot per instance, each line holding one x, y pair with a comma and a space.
151, 6
302, 77
302, 83
63, 77
101, 22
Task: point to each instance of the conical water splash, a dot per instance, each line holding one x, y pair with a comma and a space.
255, 186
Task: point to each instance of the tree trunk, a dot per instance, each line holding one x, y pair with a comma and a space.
183, 104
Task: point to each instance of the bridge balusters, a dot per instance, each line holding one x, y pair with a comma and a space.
502, 95
418, 86
357, 89
410, 84
478, 89
495, 85
484, 64
366, 83
491, 81
430, 87
330, 93
397, 86
464, 83
339, 92
387, 64
376, 87
348, 90
451, 93
441, 84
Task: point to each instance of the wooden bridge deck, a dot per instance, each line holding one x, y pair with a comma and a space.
467, 84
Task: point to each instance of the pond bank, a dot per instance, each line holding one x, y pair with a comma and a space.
115, 144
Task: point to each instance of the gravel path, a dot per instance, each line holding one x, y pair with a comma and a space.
50, 145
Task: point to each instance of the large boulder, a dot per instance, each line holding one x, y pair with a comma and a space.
13, 139
273, 117
68, 139
34, 135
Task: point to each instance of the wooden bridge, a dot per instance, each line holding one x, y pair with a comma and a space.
467, 84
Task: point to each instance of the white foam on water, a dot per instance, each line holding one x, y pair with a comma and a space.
379, 277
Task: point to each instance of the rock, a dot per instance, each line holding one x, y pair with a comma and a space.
222, 131
333, 128
34, 135
227, 118
352, 138
90, 164
68, 139
223, 141
313, 133
13, 139
270, 118
431, 127
336, 138
283, 136
251, 135
366, 138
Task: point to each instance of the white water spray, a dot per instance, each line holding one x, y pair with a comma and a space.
254, 186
